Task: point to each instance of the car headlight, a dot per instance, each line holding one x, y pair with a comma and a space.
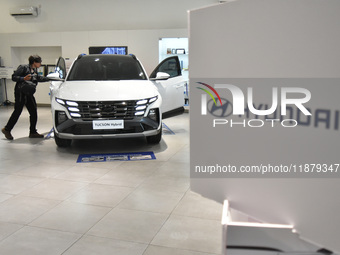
153, 99
66, 102
71, 106
73, 114
73, 109
140, 102
143, 104
71, 103
60, 101
141, 107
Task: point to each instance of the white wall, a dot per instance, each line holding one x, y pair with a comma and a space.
299, 44
89, 15
16, 48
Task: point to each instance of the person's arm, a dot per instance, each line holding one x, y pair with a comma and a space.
42, 78
20, 74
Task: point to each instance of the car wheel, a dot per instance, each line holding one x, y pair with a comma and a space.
62, 142
154, 139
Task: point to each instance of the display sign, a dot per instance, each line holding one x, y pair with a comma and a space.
6, 72
131, 156
265, 128
120, 50
108, 124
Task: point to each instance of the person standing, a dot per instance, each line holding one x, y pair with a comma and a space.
25, 76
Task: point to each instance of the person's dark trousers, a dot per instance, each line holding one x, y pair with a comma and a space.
22, 100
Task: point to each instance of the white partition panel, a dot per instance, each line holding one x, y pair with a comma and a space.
263, 45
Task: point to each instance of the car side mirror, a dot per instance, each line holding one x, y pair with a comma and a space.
54, 77
161, 76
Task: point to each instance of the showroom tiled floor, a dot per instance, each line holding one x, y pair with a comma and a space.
49, 204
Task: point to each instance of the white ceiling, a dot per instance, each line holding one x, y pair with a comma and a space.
89, 15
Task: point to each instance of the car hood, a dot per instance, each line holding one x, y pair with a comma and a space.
106, 90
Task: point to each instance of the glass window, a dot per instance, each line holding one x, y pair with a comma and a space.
61, 68
106, 67
170, 66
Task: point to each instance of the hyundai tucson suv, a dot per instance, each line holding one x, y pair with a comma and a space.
109, 96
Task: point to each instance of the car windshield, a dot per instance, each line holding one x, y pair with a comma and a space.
105, 68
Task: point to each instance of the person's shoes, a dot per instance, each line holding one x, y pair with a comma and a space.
36, 135
7, 134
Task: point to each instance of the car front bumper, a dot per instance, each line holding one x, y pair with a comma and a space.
108, 136
83, 129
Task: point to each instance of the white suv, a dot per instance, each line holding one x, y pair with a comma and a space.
107, 96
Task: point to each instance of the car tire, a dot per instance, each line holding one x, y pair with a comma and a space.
62, 142
154, 139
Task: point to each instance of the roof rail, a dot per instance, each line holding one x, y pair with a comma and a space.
81, 55
133, 56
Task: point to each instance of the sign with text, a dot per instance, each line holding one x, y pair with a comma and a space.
6, 72
108, 124
265, 128
131, 156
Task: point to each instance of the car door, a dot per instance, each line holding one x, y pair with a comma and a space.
171, 87
58, 76
61, 68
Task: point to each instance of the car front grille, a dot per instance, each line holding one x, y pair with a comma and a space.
92, 110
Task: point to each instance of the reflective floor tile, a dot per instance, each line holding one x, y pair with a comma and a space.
37, 241
71, 217
92, 245
129, 225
